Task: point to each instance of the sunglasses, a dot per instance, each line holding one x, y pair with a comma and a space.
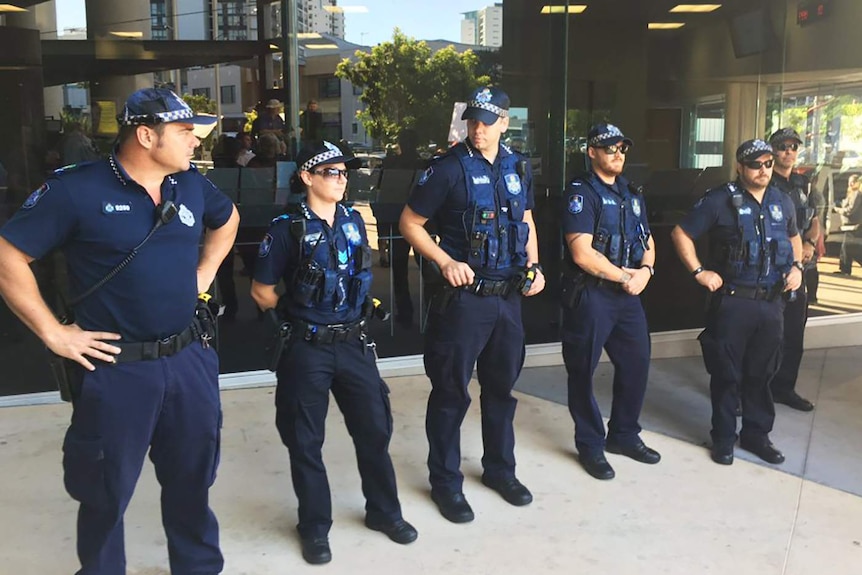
331, 173
611, 150
784, 147
756, 164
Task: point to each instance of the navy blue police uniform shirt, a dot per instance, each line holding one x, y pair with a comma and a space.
583, 206
441, 196
279, 257
714, 214
97, 214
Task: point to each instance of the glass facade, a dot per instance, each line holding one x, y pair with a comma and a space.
687, 93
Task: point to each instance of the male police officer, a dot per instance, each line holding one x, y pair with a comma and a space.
480, 195
754, 256
785, 142
145, 377
612, 257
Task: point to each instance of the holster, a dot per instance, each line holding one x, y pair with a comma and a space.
66, 376
571, 287
281, 332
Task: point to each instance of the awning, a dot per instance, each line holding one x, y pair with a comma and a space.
70, 61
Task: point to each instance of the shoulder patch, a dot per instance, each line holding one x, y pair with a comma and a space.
425, 175
34, 198
576, 203
265, 246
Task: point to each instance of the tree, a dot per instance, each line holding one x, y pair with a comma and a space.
405, 85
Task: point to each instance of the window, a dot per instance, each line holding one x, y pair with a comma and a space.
228, 94
329, 87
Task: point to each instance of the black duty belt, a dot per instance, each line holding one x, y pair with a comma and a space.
604, 283
485, 287
748, 292
333, 333
138, 351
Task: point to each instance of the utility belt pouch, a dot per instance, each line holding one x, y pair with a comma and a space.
571, 287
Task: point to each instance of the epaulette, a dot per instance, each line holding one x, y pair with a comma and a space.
280, 218
71, 168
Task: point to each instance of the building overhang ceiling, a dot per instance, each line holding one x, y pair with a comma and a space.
70, 61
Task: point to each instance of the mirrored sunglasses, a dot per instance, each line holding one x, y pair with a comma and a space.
784, 147
611, 150
756, 164
331, 173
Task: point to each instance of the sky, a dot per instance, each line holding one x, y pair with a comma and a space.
421, 19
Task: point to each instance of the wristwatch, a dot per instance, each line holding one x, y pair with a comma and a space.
650, 268
799, 266
696, 270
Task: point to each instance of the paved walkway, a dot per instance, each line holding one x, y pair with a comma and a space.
685, 515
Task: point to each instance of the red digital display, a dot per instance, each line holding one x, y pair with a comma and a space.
811, 11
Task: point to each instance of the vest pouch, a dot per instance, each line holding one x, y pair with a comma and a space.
615, 246
519, 234
360, 284
600, 242
306, 284
783, 253
330, 285
516, 209
752, 257
365, 257
637, 255
492, 251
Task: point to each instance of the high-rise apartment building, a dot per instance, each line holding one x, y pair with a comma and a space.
483, 27
321, 16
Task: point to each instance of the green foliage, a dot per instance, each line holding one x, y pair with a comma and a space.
200, 103
406, 86
250, 117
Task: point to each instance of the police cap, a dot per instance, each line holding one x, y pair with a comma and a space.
784, 134
601, 135
752, 149
318, 153
487, 105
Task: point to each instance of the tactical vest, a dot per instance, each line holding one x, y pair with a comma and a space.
621, 233
334, 273
762, 252
797, 187
494, 220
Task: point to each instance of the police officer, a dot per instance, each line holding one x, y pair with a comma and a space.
322, 255
143, 375
612, 255
754, 259
480, 196
785, 143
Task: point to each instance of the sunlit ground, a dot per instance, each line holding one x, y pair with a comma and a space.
837, 293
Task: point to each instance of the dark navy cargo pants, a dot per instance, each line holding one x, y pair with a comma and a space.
171, 408
609, 319
741, 351
486, 332
306, 374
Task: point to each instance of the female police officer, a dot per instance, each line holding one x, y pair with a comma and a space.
322, 255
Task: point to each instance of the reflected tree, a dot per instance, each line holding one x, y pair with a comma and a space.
407, 85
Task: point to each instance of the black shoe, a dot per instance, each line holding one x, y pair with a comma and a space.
597, 466
453, 506
638, 451
762, 448
722, 453
316, 550
510, 489
398, 531
794, 401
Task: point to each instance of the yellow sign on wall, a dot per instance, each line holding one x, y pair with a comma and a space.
105, 117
